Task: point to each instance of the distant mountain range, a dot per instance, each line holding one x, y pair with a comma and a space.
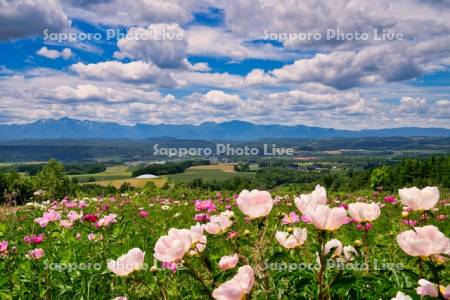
233, 131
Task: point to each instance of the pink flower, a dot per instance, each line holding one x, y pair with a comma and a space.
335, 246
173, 246
390, 199
417, 199
82, 204
423, 241
401, 296
237, 287
35, 254
121, 298
277, 200
441, 217
411, 223
218, 224
305, 219
143, 214
291, 218
49, 216
232, 234
90, 218
52, 216
3, 247
363, 212
201, 218
430, 289
70, 204
41, 221
106, 221
306, 201
73, 215
368, 226
228, 262
131, 261
169, 266
325, 218
348, 220
198, 240
93, 237
206, 205
78, 236
294, 240
66, 223
34, 239
228, 207
344, 205
255, 204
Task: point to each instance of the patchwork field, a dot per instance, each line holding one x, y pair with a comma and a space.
134, 182
111, 173
207, 174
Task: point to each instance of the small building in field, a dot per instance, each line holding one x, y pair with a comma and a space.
147, 176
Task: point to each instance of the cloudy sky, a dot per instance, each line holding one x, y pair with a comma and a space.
339, 63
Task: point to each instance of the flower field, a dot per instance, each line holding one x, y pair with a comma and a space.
190, 244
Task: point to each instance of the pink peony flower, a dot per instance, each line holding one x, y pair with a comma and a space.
90, 218
401, 296
390, 199
348, 220
169, 266
173, 246
73, 215
335, 246
305, 219
82, 204
49, 216
198, 240
237, 287
411, 223
255, 204
106, 221
143, 214
430, 289
3, 247
349, 252
66, 223
131, 261
228, 262
307, 201
41, 221
201, 218
206, 205
423, 241
34, 239
52, 216
232, 234
441, 217
325, 218
417, 199
344, 205
35, 254
290, 218
294, 240
94, 237
218, 224
363, 212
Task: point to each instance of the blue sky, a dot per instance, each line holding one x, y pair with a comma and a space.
233, 61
